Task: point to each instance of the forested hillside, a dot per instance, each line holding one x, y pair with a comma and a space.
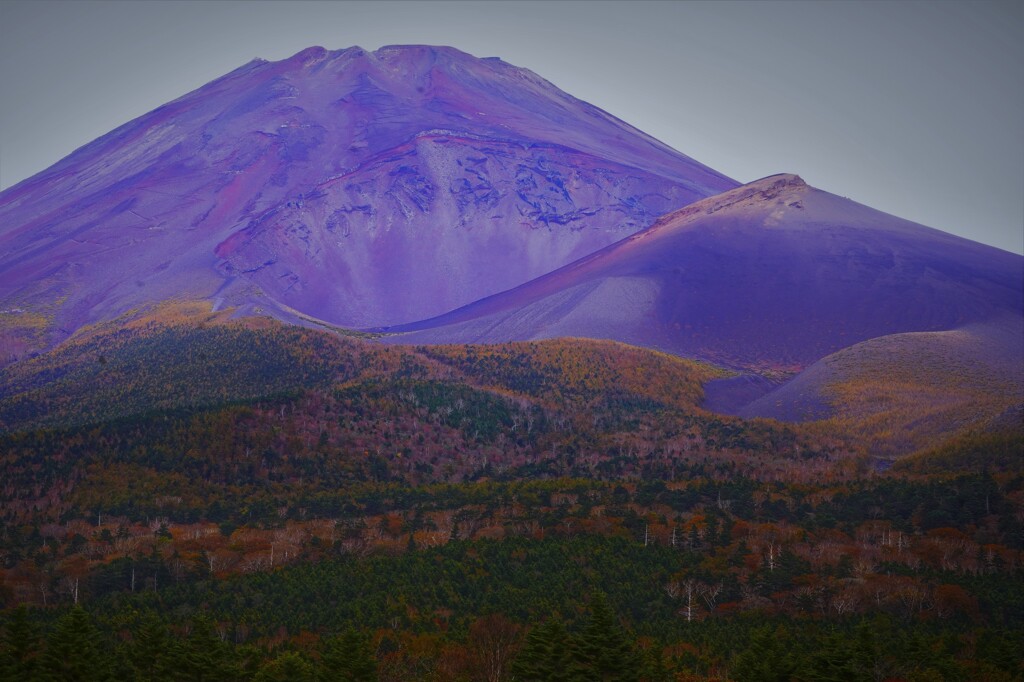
191, 497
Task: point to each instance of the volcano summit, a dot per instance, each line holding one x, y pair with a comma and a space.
351, 187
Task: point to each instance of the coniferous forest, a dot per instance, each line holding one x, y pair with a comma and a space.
187, 497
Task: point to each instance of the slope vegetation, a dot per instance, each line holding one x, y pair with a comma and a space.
907, 392
188, 405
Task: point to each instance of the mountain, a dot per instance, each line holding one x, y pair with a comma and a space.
193, 487
427, 196
350, 187
766, 278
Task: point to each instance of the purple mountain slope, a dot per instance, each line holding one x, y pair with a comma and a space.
770, 276
358, 188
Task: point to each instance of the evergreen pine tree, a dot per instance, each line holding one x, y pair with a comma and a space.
73, 652
288, 667
711, 536
654, 668
148, 653
548, 655
19, 647
347, 658
834, 661
604, 650
867, 659
693, 541
767, 659
725, 534
203, 657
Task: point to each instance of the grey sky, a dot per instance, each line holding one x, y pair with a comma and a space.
914, 108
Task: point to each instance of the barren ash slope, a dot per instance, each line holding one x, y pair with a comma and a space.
771, 275
768, 279
358, 188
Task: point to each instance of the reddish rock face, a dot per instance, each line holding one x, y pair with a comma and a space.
359, 188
